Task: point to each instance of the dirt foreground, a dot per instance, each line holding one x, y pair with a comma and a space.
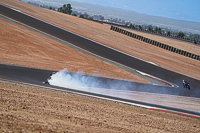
29, 109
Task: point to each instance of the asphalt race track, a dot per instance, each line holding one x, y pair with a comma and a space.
37, 76
34, 76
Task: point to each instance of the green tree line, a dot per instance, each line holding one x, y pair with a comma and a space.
66, 8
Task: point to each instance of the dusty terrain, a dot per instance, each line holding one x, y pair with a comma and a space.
29, 109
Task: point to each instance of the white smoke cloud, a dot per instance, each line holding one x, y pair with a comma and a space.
72, 80
116, 88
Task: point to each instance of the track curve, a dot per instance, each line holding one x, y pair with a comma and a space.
35, 77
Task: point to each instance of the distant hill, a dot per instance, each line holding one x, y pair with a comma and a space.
108, 12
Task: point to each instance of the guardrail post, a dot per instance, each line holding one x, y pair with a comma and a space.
164, 46
161, 45
111, 27
172, 49
131, 34
186, 53
157, 43
149, 41
122, 31
125, 32
192, 56
167, 47
183, 52
198, 58
138, 37
117, 29
178, 51
175, 49
146, 40
154, 42
141, 38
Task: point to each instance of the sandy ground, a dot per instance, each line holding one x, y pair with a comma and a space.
28, 109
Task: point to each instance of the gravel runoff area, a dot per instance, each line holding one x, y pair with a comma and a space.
31, 109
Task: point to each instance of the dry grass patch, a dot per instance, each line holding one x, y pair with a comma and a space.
29, 109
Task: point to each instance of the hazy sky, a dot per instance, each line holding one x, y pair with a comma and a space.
178, 9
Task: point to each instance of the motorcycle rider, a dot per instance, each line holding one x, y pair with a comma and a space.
46, 82
186, 84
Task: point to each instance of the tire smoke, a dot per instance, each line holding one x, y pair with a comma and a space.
71, 80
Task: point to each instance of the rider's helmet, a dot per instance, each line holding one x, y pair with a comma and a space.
52, 73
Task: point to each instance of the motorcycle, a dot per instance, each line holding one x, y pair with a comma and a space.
187, 85
47, 81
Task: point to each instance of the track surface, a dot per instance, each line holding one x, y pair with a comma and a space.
34, 76
37, 76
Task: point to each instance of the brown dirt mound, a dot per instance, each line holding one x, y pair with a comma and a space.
27, 109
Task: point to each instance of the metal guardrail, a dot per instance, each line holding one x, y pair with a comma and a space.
155, 43
151, 32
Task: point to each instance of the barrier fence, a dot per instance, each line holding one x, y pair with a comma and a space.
171, 36
155, 43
